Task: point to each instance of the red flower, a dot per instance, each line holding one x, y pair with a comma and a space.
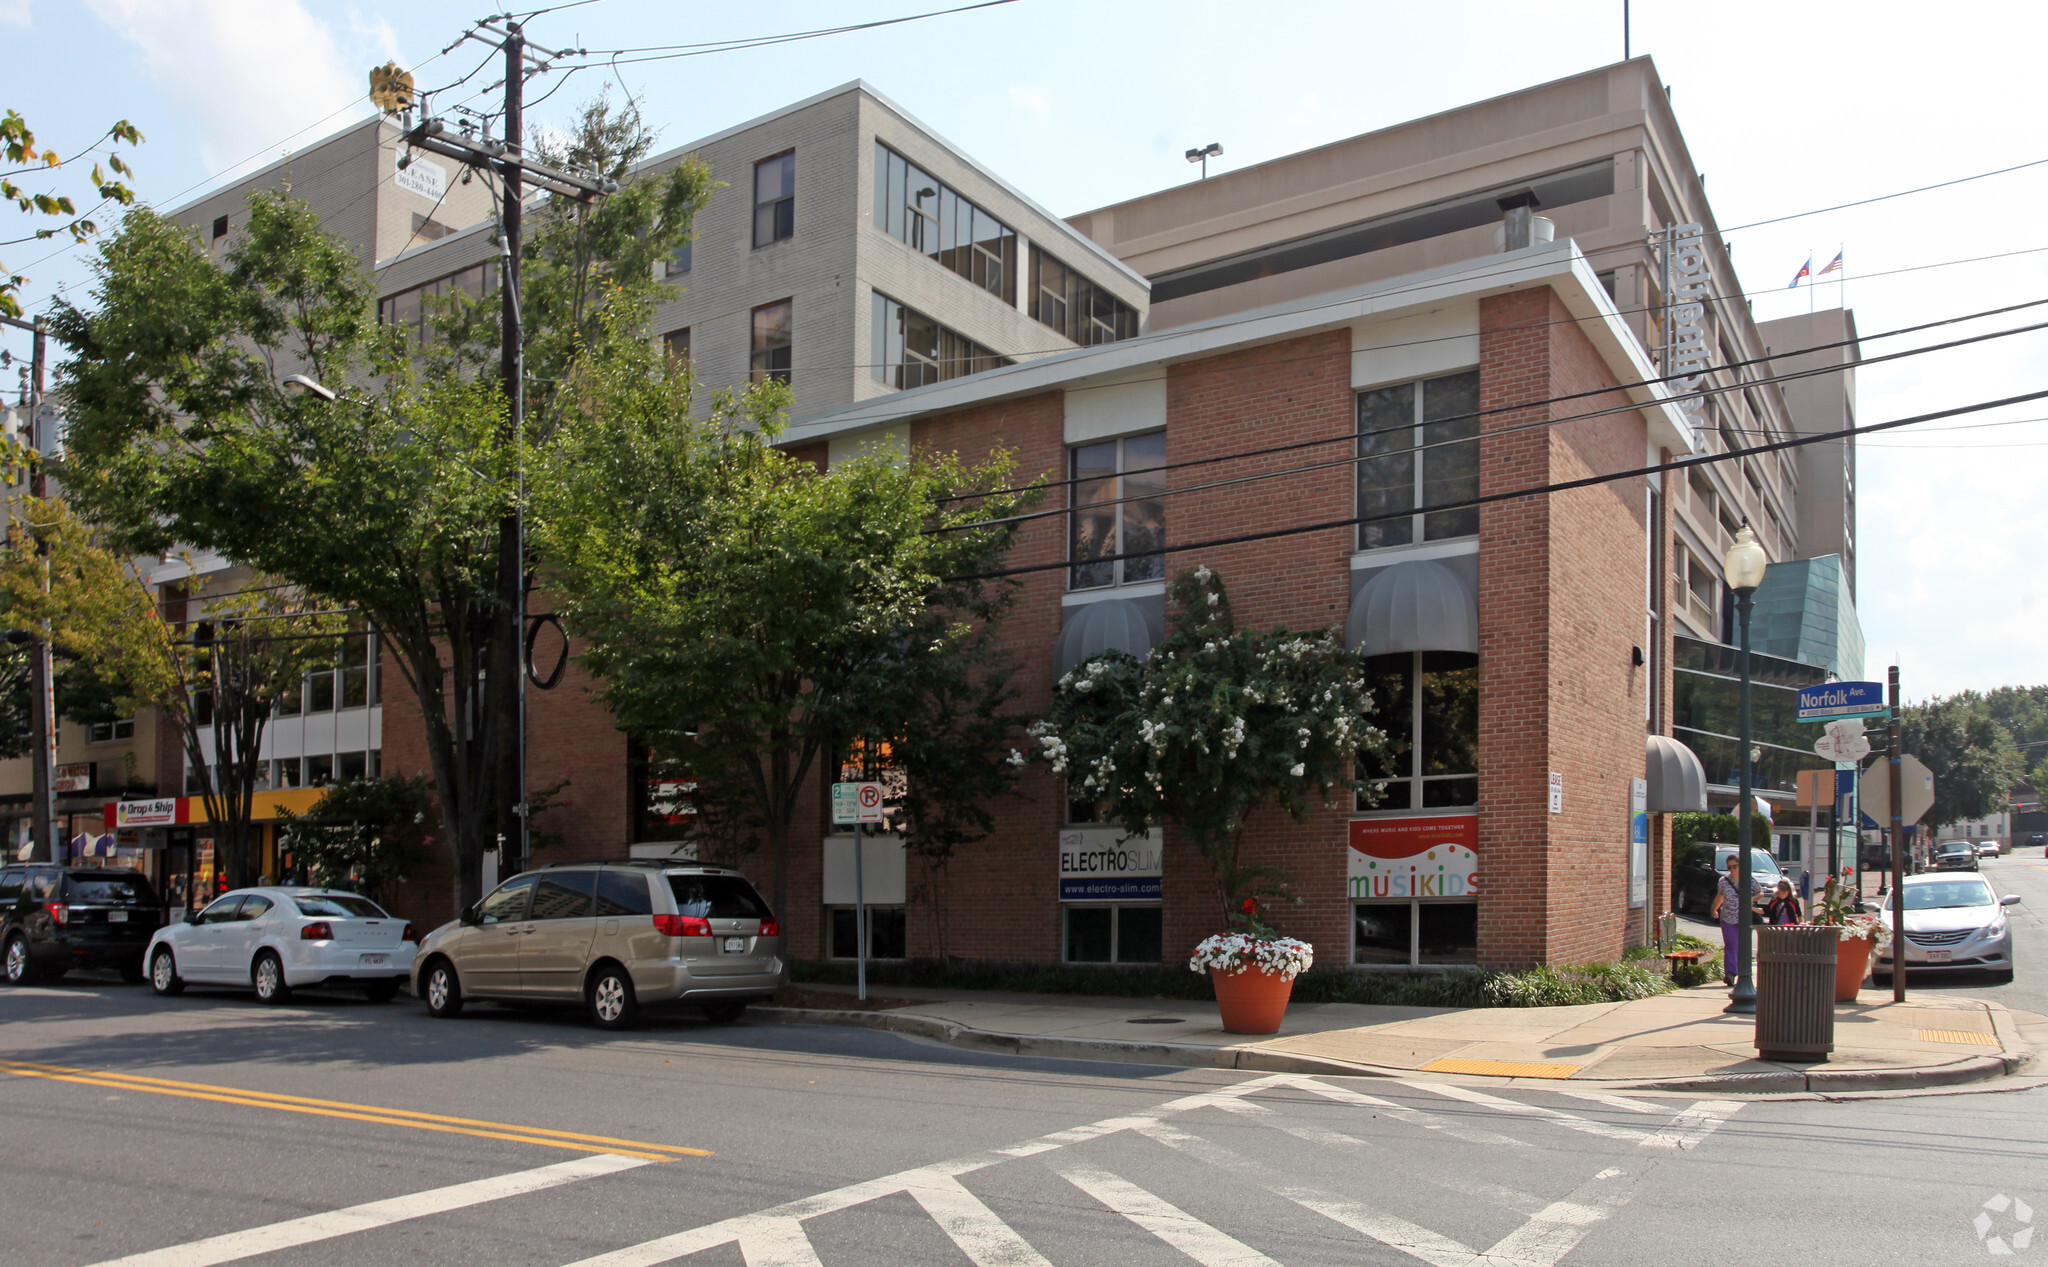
1250, 907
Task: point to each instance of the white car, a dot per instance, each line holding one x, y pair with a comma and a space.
1953, 921
275, 940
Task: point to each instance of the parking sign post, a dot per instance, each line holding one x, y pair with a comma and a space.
858, 804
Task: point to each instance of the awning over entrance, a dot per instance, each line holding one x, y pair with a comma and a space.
1414, 606
1114, 624
1678, 783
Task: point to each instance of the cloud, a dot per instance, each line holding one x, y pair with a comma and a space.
16, 12
247, 74
1032, 101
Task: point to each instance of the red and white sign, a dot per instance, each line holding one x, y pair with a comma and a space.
74, 778
1400, 858
163, 812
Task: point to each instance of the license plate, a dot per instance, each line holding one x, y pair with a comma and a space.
371, 961
117, 917
1939, 956
735, 945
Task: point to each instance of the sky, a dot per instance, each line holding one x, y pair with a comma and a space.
1787, 107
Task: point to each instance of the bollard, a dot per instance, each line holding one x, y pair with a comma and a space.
1795, 992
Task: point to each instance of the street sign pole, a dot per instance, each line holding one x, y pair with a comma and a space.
1898, 814
860, 918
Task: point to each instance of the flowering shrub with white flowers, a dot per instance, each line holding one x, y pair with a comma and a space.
1215, 722
1283, 957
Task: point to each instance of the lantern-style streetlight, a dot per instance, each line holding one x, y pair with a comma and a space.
1743, 569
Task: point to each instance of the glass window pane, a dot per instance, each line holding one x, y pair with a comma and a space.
716, 897
1450, 473
878, 337
320, 770
886, 932
845, 933
881, 208
1381, 932
898, 173
564, 895
507, 902
1450, 712
254, 906
1395, 794
320, 692
1088, 933
352, 765
1138, 934
1449, 793
623, 893
1390, 678
1145, 520
1094, 523
1448, 932
1386, 471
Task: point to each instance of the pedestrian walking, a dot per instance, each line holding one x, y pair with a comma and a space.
1728, 909
1783, 908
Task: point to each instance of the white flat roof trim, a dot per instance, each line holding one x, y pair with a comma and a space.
1584, 297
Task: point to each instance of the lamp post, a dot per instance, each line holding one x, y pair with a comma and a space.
1743, 569
1203, 154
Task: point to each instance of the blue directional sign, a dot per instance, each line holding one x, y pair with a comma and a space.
1840, 699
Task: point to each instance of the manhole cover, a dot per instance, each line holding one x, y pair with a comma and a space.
1154, 1020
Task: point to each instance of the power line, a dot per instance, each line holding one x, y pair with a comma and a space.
1864, 202
665, 52
1540, 490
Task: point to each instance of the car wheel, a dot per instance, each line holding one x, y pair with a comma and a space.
163, 973
133, 972
21, 966
381, 991
268, 975
443, 990
612, 1005
1882, 980
724, 1013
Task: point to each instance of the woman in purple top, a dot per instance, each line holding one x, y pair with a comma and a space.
1728, 909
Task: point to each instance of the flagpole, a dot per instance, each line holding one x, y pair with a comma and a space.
1842, 282
1810, 283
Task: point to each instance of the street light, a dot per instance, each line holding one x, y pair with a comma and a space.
1743, 569
300, 385
1203, 155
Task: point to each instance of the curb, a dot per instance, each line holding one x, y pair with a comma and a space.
1186, 1055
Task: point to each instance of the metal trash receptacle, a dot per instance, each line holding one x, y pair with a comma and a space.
1795, 992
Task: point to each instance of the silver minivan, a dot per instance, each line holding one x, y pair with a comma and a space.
615, 936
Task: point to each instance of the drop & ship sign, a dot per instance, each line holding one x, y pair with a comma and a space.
1414, 857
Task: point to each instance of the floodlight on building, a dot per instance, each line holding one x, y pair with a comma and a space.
300, 385
1203, 155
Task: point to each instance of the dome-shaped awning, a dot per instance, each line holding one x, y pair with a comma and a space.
1414, 606
1678, 784
1113, 624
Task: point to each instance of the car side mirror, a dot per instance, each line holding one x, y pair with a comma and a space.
468, 917
191, 917
2010, 899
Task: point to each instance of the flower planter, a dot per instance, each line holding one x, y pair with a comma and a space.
1852, 963
1251, 1001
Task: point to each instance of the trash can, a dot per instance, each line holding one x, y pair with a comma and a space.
1795, 992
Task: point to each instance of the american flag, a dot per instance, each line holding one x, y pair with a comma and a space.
1833, 264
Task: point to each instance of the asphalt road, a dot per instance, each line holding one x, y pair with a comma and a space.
209, 1129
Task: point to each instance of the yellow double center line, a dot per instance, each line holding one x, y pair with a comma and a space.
355, 1112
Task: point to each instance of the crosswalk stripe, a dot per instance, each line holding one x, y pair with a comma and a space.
1557, 1229
1165, 1220
1410, 1238
1414, 1117
1694, 1124
985, 1239
358, 1218
1631, 1134
1611, 1101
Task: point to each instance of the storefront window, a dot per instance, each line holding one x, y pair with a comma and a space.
1415, 933
1432, 759
1114, 934
885, 932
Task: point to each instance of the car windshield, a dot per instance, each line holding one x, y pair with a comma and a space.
1955, 846
716, 897
1760, 862
1947, 893
337, 906
112, 890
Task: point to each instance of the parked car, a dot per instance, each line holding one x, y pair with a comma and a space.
1955, 855
1952, 922
614, 935
55, 918
1697, 876
276, 940
1985, 848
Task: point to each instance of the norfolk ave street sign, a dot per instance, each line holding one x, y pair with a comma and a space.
1840, 699
856, 802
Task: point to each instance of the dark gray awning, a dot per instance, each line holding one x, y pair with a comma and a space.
1678, 784
1113, 624
1414, 606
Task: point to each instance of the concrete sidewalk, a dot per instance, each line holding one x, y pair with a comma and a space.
1676, 1041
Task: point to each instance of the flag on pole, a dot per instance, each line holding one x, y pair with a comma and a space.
1833, 264
1805, 271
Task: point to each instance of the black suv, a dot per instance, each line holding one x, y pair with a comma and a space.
54, 919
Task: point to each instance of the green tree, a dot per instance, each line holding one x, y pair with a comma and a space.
2023, 711
25, 157
1216, 722
362, 833
1970, 754
752, 617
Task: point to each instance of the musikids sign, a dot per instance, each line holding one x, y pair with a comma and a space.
1414, 857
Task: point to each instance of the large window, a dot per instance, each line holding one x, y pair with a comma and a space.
1119, 489
1076, 307
774, 199
1706, 704
935, 221
1113, 934
109, 731
350, 683
1415, 933
1418, 447
675, 345
911, 349
678, 264
773, 341
886, 932
1432, 732
421, 310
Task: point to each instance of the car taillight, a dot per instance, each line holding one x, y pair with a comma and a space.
318, 930
682, 925
59, 912
771, 928
409, 934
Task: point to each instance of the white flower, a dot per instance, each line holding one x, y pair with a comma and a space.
1299, 770
1202, 573
1284, 957
1016, 757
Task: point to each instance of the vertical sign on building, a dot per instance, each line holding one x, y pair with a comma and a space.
1688, 279
1638, 843
1556, 792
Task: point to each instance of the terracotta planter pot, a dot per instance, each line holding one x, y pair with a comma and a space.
1252, 1002
1852, 963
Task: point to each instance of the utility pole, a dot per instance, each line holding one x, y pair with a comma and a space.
1898, 832
516, 171
42, 671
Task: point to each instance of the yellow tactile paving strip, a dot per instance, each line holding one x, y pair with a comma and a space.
1958, 1036
1503, 1068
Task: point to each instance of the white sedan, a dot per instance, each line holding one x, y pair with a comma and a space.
1952, 921
275, 940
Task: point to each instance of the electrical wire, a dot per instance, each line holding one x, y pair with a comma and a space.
667, 52
1903, 193
1539, 490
